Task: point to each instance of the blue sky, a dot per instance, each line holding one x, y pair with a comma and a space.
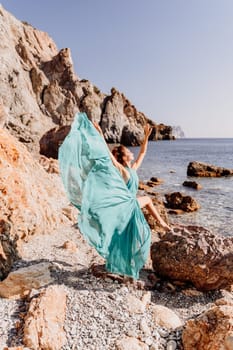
172, 58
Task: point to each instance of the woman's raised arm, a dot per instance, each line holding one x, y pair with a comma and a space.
147, 131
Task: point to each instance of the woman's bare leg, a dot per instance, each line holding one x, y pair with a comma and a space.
146, 201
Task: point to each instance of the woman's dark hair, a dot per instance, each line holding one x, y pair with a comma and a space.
119, 152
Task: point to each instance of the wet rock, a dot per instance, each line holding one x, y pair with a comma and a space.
196, 255
177, 200
142, 186
207, 170
154, 181
192, 184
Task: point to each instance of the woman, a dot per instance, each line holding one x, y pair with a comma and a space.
110, 217
123, 159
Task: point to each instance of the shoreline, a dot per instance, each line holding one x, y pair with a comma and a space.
98, 299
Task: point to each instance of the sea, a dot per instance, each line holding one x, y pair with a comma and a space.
168, 160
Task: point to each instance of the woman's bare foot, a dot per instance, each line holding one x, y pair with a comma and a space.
137, 284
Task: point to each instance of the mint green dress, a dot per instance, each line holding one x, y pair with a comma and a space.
110, 217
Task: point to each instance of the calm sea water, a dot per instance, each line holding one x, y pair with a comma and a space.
169, 160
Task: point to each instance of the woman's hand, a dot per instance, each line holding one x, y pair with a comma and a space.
147, 130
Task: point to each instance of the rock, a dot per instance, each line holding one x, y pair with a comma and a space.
137, 306
177, 200
171, 345
192, 184
146, 298
129, 343
154, 181
71, 213
8, 249
165, 317
51, 141
154, 346
154, 225
41, 89
114, 120
196, 255
3, 115
71, 246
142, 186
44, 322
23, 48
229, 342
192, 292
212, 330
19, 283
92, 101
49, 164
144, 327
30, 198
207, 170
122, 123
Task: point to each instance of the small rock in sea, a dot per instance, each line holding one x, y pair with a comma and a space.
192, 184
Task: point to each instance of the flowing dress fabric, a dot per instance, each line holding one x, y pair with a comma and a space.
110, 217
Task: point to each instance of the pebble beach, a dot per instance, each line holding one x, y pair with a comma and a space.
101, 312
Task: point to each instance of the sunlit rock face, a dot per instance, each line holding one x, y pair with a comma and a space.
31, 200
40, 90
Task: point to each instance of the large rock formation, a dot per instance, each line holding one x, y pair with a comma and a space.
195, 255
207, 170
40, 90
122, 123
23, 48
31, 200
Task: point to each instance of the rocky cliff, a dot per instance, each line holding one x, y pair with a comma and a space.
40, 90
